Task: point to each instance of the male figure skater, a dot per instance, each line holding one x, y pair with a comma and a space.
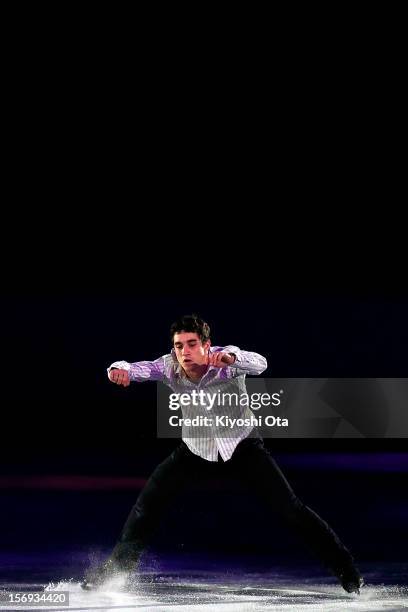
194, 364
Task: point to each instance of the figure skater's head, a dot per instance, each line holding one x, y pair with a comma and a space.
190, 336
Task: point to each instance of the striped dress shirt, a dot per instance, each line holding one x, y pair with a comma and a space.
167, 370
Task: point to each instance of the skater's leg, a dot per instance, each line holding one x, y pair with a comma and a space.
256, 466
168, 479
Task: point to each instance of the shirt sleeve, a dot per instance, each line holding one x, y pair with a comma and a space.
246, 361
140, 371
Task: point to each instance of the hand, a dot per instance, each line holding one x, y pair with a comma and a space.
119, 377
220, 360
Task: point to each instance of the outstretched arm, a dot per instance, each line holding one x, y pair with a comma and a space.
123, 372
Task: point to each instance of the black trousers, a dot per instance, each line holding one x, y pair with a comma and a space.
251, 463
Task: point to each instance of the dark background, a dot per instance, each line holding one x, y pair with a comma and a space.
117, 176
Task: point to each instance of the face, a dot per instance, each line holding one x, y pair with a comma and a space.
190, 351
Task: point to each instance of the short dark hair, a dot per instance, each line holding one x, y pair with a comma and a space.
191, 323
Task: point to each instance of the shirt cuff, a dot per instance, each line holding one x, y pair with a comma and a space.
121, 365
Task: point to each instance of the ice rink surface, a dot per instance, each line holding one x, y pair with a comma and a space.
280, 588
